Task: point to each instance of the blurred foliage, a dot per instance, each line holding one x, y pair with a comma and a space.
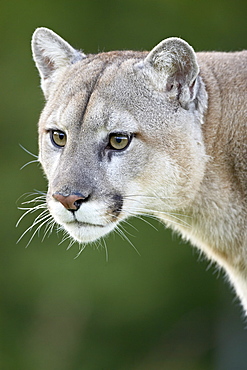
161, 310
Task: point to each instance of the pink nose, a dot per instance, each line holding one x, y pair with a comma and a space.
71, 202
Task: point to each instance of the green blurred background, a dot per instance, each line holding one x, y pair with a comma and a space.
162, 309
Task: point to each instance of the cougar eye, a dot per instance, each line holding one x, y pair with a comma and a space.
119, 141
58, 138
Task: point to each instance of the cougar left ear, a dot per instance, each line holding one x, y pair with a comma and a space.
172, 66
51, 52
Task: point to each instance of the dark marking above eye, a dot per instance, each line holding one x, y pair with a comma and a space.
90, 90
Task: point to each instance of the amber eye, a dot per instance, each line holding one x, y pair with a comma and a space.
58, 138
119, 141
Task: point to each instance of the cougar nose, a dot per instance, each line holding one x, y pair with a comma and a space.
71, 202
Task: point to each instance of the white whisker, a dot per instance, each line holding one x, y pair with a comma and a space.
139, 217
144, 210
121, 233
27, 151
41, 198
37, 231
29, 210
81, 249
71, 243
106, 250
65, 237
48, 229
131, 196
26, 164
129, 224
171, 216
36, 222
43, 218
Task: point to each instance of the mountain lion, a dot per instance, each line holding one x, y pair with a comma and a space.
160, 133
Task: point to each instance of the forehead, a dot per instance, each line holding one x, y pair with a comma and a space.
91, 87
95, 72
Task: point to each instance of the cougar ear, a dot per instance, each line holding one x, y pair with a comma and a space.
172, 66
51, 52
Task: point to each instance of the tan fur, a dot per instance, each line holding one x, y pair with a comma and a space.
185, 115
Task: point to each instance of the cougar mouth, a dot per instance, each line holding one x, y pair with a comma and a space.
86, 224
85, 232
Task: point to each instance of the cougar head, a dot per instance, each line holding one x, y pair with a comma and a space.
117, 132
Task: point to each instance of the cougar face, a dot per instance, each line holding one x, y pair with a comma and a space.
102, 151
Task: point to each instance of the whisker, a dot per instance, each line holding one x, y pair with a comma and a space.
140, 217
30, 210
127, 232
26, 195
149, 210
130, 225
81, 249
144, 196
41, 198
37, 231
133, 196
152, 213
37, 220
65, 236
59, 228
106, 250
71, 243
155, 197
27, 151
40, 192
26, 164
48, 229
121, 233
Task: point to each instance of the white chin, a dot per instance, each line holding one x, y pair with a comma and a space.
85, 233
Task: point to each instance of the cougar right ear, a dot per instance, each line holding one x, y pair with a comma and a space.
51, 52
172, 65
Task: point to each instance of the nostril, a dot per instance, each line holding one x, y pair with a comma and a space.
79, 202
71, 202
